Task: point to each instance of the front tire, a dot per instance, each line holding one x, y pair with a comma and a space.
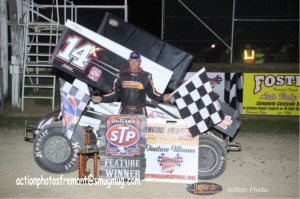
211, 157
53, 152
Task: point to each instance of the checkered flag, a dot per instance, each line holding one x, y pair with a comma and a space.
179, 159
160, 158
197, 104
73, 102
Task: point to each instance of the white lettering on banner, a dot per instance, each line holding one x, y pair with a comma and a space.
122, 163
284, 96
267, 96
270, 80
125, 121
122, 173
78, 56
124, 135
87, 180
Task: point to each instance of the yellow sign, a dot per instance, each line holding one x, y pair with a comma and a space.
271, 94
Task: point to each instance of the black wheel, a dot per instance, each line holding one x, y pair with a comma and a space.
212, 157
48, 119
217, 134
53, 152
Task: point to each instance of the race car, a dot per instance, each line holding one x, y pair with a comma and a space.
54, 153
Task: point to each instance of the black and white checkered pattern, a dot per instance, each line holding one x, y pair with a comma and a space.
197, 103
179, 159
159, 158
233, 93
81, 99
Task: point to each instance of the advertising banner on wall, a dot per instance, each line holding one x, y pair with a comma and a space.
171, 152
271, 94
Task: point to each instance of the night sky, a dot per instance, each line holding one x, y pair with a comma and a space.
185, 31
143, 14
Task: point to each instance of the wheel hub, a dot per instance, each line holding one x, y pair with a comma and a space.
57, 149
208, 158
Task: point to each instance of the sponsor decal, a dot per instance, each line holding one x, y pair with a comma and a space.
113, 22
123, 136
157, 114
69, 109
76, 53
226, 122
185, 135
94, 74
132, 84
168, 165
204, 188
215, 80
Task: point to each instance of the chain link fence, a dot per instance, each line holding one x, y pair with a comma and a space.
207, 28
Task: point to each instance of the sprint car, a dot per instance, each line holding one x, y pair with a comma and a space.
54, 153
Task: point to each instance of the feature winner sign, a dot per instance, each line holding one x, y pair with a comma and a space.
96, 60
271, 94
171, 152
122, 151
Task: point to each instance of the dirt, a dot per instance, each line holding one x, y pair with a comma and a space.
267, 167
31, 109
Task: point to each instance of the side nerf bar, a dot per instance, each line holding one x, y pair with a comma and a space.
29, 132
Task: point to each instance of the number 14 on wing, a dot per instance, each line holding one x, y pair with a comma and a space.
78, 53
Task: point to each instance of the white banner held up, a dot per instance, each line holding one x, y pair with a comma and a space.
171, 152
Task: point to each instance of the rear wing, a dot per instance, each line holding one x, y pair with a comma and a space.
95, 59
155, 49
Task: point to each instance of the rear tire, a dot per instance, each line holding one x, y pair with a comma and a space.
53, 152
211, 157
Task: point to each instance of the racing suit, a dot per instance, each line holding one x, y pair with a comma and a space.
131, 89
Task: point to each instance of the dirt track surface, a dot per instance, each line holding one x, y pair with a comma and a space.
267, 167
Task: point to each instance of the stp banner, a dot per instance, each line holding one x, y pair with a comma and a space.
122, 146
271, 94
